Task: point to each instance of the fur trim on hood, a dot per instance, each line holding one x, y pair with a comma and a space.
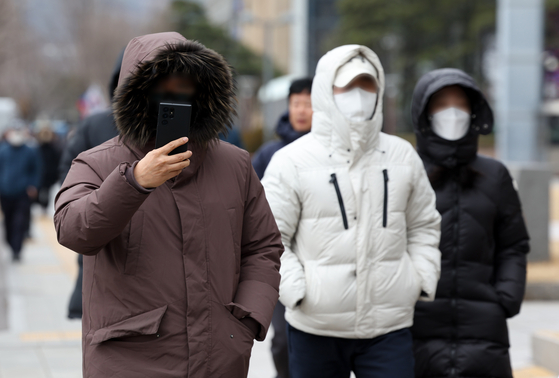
151, 57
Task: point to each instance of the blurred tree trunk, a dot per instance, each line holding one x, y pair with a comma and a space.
46, 72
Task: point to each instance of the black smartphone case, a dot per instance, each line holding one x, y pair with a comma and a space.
173, 122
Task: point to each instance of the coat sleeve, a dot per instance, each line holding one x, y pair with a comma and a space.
90, 211
279, 182
423, 230
261, 249
511, 247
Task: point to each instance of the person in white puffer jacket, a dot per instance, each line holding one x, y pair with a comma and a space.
360, 228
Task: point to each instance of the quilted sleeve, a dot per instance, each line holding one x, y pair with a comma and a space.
279, 183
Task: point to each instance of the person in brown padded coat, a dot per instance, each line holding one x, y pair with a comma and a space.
181, 253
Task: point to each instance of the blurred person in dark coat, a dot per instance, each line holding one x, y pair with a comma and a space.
292, 125
95, 130
234, 137
50, 155
484, 242
20, 176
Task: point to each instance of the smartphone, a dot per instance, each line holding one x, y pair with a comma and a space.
173, 122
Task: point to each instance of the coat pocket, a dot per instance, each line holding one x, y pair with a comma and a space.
136, 228
237, 313
416, 278
385, 203
231, 342
140, 325
334, 180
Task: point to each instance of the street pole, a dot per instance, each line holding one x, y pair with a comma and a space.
267, 55
299, 38
520, 25
520, 45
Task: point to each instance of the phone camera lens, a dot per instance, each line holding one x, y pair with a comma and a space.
165, 115
165, 122
165, 109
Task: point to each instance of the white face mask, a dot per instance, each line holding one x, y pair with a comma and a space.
451, 123
357, 105
16, 138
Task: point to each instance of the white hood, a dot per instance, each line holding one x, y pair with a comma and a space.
330, 126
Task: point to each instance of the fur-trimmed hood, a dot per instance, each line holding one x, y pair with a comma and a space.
151, 57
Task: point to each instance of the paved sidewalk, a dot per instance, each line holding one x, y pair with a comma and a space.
534, 316
40, 341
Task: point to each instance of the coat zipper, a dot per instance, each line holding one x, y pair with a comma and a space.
334, 180
385, 208
454, 287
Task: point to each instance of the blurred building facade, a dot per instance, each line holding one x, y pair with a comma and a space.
292, 32
291, 35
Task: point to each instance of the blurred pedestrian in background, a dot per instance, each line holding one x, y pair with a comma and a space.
360, 229
50, 156
292, 125
93, 131
484, 241
181, 267
233, 136
20, 177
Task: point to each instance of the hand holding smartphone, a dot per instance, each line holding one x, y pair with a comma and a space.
157, 166
173, 122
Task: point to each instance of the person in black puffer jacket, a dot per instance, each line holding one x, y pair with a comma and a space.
484, 241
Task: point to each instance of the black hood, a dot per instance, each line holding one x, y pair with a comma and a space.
113, 83
285, 130
151, 57
430, 146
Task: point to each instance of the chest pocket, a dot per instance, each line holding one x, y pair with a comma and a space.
385, 202
328, 194
134, 243
334, 181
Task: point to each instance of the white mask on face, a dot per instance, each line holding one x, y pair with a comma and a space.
16, 138
357, 105
451, 123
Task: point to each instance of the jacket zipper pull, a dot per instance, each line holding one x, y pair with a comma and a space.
334, 180
385, 206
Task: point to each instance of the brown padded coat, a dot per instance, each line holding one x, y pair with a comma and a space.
169, 273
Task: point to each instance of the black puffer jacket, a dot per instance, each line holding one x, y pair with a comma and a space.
484, 242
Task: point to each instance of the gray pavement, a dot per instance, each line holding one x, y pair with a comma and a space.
534, 316
40, 342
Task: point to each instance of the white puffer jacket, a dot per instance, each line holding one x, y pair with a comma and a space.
358, 219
